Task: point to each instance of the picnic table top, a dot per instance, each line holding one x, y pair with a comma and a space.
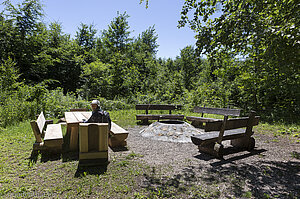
77, 117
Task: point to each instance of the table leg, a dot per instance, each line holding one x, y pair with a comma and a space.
74, 138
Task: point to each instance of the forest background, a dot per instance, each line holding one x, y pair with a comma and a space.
247, 58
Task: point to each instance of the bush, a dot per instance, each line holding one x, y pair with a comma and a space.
28, 101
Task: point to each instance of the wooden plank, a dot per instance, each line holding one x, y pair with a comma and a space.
36, 132
70, 117
202, 119
41, 122
118, 133
53, 144
221, 133
83, 139
78, 109
213, 136
103, 137
251, 122
116, 129
74, 136
87, 115
218, 111
53, 132
232, 123
157, 117
157, 107
79, 116
114, 142
93, 137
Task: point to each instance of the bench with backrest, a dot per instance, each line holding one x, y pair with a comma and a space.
238, 130
93, 144
48, 135
147, 107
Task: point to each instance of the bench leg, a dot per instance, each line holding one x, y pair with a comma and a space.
197, 124
145, 121
247, 143
214, 149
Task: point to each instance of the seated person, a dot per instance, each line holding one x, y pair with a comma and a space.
98, 115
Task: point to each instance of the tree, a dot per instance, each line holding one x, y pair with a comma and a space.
96, 80
86, 40
190, 66
146, 42
266, 34
86, 36
25, 32
116, 38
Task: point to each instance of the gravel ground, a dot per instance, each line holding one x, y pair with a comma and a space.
272, 169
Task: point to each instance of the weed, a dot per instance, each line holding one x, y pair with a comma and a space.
132, 155
295, 154
247, 194
123, 163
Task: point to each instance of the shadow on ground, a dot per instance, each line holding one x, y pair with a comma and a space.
82, 171
229, 179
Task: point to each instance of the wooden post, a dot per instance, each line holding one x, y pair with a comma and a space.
74, 137
250, 124
36, 131
221, 133
103, 138
83, 139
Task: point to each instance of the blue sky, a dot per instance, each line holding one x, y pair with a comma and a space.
163, 14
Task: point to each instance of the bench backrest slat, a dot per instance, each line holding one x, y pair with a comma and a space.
157, 107
218, 111
38, 126
41, 122
78, 109
233, 123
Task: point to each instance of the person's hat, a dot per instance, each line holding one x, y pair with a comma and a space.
96, 102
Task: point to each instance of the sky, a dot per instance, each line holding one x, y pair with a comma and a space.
163, 14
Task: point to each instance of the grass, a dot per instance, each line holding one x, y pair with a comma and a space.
27, 175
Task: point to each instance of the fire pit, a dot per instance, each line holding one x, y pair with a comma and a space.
171, 130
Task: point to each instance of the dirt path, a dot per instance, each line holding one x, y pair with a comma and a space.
271, 169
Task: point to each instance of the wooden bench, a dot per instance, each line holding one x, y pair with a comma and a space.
146, 117
223, 129
93, 144
51, 138
118, 136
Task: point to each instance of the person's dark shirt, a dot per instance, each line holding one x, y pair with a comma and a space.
99, 116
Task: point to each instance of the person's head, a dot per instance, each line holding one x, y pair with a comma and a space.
95, 104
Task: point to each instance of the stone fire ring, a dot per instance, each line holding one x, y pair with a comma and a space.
171, 130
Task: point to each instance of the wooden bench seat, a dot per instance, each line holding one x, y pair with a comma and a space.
212, 137
147, 107
118, 136
238, 130
49, 139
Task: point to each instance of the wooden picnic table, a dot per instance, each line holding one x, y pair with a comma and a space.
73, 119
